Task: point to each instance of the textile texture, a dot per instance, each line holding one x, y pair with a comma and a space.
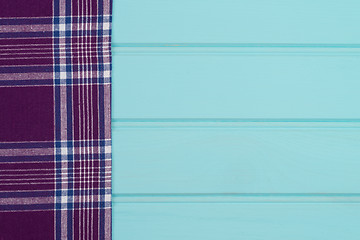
55, 123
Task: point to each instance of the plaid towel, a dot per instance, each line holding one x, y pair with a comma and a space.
55, 133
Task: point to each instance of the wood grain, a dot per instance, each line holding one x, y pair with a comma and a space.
238, 85
235, 221
233, 21
236, 160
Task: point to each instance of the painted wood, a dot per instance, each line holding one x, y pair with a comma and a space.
233, 21
236, 221
236, 159
271, 83
236, 119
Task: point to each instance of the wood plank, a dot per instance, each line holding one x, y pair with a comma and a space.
271, 83
236, 221
237, 159
232, 21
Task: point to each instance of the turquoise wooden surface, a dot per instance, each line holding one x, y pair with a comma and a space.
277, 84
236, 119
236, 221
236, 159
234, 21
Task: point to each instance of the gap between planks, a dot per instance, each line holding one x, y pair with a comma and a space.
237, 198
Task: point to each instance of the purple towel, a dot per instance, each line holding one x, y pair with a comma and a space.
55, 123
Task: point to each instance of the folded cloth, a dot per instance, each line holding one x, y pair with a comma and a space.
55, 123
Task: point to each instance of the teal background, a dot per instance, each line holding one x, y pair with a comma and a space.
236, 119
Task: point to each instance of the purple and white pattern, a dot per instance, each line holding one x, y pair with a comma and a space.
55, 119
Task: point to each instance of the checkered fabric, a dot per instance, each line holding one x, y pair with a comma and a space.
55, 123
